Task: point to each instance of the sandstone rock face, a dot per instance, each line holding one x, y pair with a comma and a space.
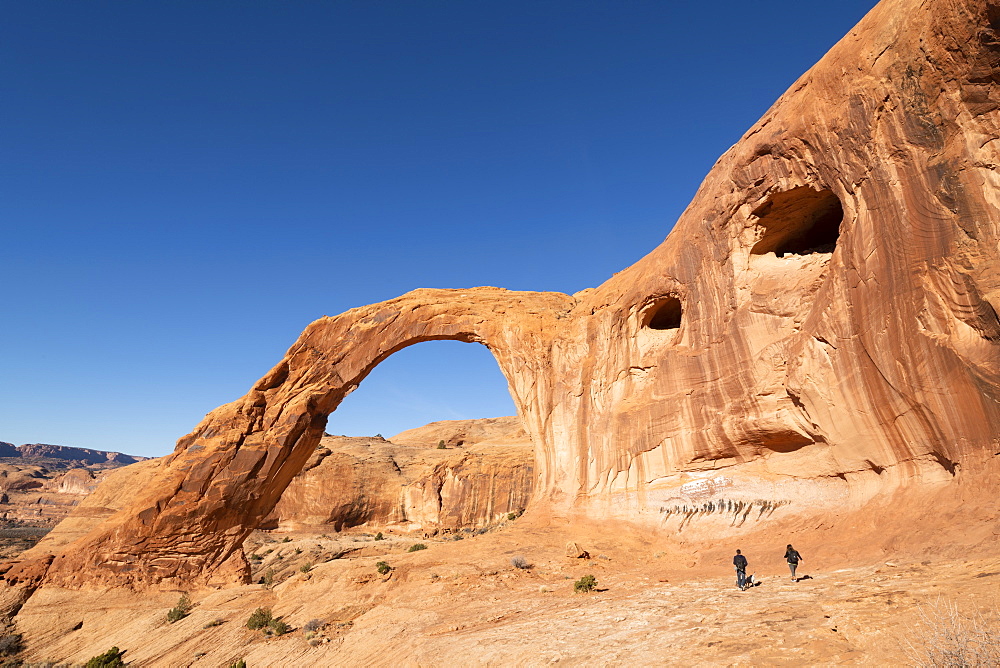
351, 482
820, 327
348, 482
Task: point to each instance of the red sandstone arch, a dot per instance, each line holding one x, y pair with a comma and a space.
228, 474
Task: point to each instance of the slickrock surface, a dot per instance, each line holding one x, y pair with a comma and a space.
463, 603
815, 344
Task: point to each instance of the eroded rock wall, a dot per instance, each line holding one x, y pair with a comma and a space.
371, 482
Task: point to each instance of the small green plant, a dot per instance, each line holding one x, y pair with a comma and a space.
268, 578
441, 444
512, 516
416, 547
298, 550
181, 610
286, 539
379, 536
110, 659
256, 557
214, 622
261, 618
383, 567
238, 664
306, 567
585, 584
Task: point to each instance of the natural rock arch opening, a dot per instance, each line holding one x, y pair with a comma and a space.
451, 464
422, 383
799, 221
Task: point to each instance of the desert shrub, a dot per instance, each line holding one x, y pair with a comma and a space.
416, 547
944, 636
520, 562
238, 664
110, 659
256, 557
313, 625
181, 610
286, 539
260, 619
268, 578
511, 516
306, 567
10, 644
214, 622
441, 445
278, 627
298, 550
379, 536
383, 567
585, 584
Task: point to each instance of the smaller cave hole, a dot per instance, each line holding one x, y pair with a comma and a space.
799, 221
663, 313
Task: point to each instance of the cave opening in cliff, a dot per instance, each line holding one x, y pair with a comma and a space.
799, 221
664, 313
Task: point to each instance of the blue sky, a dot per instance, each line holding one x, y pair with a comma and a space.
184, 186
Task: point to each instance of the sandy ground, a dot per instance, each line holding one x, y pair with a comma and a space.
464, 603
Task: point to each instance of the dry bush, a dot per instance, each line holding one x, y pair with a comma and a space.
520, 562
945, 636
10, 644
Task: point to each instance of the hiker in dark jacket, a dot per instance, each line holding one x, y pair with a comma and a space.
740, 562
793, 558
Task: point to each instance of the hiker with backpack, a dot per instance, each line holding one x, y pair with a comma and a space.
740, 562
793, 558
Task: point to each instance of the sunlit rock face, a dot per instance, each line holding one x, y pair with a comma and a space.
446, 476
819, 326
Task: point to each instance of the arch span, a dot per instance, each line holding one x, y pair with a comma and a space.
228, 474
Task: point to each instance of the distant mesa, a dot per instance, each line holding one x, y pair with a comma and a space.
84, 455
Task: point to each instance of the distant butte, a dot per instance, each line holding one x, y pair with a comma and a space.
815, 343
